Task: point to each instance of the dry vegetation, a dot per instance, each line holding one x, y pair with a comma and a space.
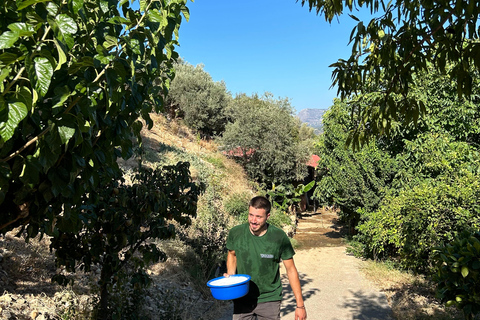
410, 296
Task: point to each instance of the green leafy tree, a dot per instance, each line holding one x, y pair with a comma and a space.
264, 137
433, 195
115, 226
198, 99
347, 179
435, 204
394, 48
76, 79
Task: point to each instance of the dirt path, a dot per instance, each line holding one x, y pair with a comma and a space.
332, 283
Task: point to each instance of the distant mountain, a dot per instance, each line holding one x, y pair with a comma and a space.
313, 118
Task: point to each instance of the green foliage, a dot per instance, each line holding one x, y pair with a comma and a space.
279, 218
458, 273
237, 205
198, 99
407, 225
208, 233
264, 137
395, 48
412, 190
116, 223
347, 179
75, 80
284, 197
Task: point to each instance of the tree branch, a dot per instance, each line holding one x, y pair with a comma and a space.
16, 153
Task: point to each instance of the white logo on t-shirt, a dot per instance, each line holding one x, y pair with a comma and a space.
266, 256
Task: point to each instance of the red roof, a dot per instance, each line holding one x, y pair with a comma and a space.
313, 161
238, 152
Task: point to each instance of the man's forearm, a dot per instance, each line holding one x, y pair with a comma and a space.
295, 285
231, 262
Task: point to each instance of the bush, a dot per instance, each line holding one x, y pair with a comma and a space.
407, 225
237, 205
458, 277
279, 219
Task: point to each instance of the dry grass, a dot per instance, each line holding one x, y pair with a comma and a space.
412, 297
25, 283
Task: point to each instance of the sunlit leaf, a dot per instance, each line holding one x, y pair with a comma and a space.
15, 113
7, 39
21, 29
65, 133
62, 58
465, 272
76, 5
44, 73
66, 24
23, 4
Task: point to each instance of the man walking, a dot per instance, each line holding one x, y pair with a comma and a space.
256, 248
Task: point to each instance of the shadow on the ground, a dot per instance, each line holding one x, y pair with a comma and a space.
365, 306
289, 304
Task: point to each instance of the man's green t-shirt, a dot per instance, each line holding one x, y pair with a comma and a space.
259, 257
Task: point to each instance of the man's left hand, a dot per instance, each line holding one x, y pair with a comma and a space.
300, 314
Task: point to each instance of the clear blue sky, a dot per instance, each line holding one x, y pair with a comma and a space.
265, 45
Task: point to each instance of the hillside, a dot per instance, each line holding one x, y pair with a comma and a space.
313, 118
178, 290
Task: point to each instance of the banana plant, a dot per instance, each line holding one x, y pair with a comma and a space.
287, 197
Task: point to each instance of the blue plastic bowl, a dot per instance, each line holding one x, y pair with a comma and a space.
229, 291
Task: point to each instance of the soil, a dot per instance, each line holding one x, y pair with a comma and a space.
26, 290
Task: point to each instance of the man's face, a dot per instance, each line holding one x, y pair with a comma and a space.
257, 219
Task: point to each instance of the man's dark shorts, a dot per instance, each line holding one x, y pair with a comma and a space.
262, 311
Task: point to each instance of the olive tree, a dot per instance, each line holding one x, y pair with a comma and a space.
264, 137
199, 100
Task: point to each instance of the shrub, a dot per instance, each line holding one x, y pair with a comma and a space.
458, 277
279, 218
407, 225
237, 205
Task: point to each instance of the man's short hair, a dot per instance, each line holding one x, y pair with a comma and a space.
261, 202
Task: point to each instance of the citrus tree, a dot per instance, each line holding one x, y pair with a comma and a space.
78, 81
76, 77
396, 46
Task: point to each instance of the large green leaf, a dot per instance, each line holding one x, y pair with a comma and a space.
66, 27
8, 58
7, 39
66, 24
16, 112
65, 133
21, 29
24, 95
76, 5
155, 16
23, 4
44, 73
